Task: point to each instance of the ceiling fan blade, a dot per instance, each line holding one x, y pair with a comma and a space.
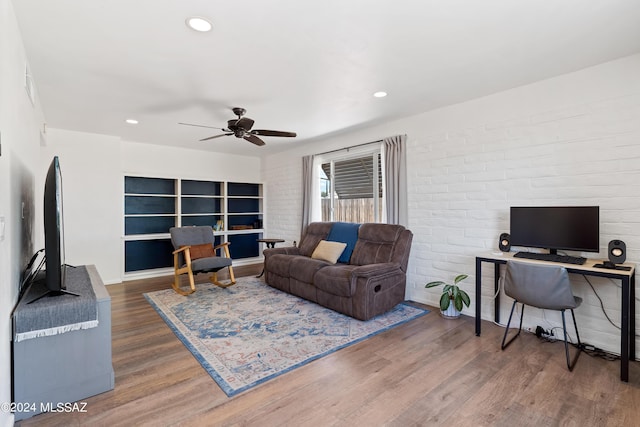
254, 140
200, 126
264, 132
245, 123
216, 136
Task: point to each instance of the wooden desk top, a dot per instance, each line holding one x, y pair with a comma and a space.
588, 266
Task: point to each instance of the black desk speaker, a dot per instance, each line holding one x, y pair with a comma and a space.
617, 251
505, 242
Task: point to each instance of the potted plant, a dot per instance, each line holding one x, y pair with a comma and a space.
451, 293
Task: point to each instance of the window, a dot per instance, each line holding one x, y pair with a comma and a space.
351, 188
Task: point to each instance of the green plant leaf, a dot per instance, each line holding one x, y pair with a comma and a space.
434, 284
465, 298
447, 289
458, 302
459, 278
444, 301
454, 291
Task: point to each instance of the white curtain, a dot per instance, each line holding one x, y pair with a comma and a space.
307, 191
395, 179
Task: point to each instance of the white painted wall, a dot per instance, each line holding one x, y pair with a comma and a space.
574, 139
93, 167
20, 122
91, 172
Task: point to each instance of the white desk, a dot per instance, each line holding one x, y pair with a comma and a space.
626, 277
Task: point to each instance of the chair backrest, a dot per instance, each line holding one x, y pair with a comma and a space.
543, 286
183, 236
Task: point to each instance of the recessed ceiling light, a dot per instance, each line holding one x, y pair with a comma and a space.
380, 94
199, 24
132, 121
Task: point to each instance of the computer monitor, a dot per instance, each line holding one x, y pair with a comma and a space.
574, 228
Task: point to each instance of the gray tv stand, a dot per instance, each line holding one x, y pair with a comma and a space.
62, 369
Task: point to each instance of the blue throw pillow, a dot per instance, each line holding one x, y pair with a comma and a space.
345, 232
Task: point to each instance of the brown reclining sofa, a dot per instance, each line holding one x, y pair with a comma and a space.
370, 283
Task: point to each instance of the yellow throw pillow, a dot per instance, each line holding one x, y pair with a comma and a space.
328, 251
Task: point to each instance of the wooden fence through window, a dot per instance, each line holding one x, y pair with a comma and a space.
350, 210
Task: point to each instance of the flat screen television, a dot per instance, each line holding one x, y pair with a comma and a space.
574, 228
55, 267
54, 228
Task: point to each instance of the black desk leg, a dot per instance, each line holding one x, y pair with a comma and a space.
478, 294
632, 317
496, 285
625, 337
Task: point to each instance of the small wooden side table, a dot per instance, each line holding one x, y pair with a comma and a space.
271, 243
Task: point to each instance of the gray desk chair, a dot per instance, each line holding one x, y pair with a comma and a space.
195, 253
543, 286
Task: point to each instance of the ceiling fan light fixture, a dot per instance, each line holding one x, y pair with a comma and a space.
242, 128
380, 94
199, 24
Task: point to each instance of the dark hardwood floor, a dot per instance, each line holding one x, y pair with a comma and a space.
430, 371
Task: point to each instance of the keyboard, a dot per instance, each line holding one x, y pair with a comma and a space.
566, 259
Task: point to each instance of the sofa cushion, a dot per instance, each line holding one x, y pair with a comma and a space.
314, 232
335, 279
280, 263
303, 268
375, 243
346, 232
328, 251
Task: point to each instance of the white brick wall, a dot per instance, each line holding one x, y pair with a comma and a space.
284, 202
571, 140
563, 156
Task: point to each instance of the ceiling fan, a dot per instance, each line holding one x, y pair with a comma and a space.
241, 128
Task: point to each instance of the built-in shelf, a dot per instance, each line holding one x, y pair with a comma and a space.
153, 205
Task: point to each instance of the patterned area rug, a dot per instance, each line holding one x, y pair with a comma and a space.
249, 333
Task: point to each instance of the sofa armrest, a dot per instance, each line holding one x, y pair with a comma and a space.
371, 270
376, 288
289, 250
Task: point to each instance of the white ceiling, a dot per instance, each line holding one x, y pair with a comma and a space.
305, 66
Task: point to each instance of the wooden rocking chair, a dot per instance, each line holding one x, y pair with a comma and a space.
195, 253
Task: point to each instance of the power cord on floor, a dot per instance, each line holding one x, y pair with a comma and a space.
597, 352
593, 351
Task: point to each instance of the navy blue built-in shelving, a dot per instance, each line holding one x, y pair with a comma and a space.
153, 205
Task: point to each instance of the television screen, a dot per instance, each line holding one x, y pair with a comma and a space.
53, 228
575, 228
